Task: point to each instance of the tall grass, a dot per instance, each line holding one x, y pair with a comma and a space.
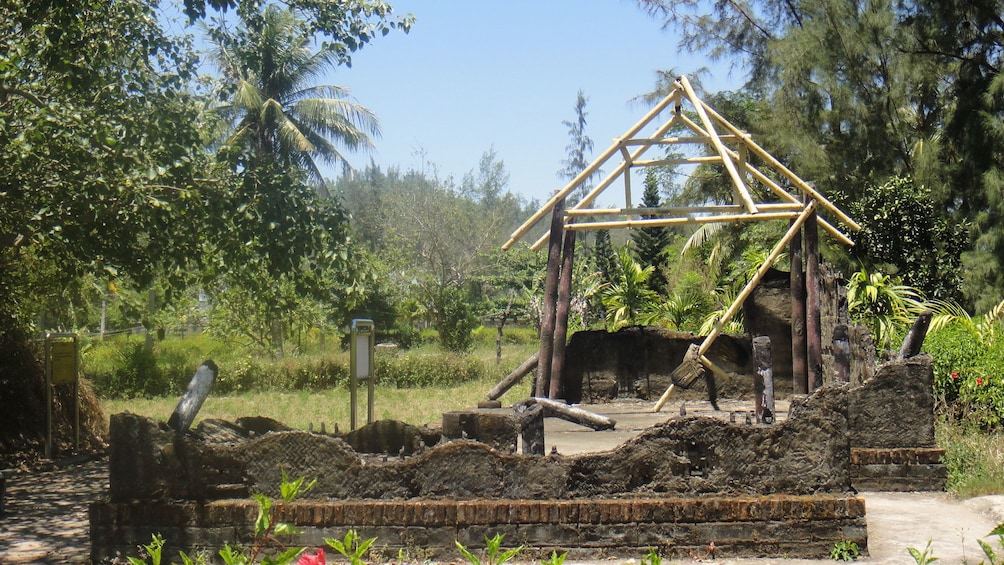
975, 459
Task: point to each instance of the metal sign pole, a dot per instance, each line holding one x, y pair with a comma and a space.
361, 367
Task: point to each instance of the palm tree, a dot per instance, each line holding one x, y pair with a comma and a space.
272, 110
629, 298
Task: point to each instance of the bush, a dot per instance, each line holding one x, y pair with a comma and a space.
968, 384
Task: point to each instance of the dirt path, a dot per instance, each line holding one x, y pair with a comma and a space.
46, 522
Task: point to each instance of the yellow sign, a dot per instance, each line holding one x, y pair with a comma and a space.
63, 361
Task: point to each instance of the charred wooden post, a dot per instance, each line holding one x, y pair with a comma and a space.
841, 354
557, 389
763, 381
530, 417
514, 377
198, 390
799, 374
915, 338
550, 297
813, 332
684, 375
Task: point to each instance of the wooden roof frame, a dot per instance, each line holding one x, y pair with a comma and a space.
732, 148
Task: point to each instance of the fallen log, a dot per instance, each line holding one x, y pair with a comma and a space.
572, 414
514, 377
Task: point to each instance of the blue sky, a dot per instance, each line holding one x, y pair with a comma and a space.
472, 75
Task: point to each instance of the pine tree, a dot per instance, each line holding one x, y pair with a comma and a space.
579, 147
604, 257
650, 243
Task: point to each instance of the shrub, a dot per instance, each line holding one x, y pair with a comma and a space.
968, 384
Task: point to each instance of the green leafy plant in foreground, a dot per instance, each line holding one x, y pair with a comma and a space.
492, 552
555, 559
922, 557
351, 548
845, 550
989, 551
651, 558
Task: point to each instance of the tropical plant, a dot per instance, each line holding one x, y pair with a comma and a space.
922, 557
273, 111
882, 304
983, 328
494, 554
627, 299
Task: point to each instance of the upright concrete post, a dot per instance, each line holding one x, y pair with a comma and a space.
763, 381
196, 393
799, 375
549, 313
557, 389
813, 332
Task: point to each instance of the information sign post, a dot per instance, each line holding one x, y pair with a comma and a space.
362, 367
62, 367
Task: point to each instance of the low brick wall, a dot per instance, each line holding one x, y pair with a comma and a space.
797, 526
905, 469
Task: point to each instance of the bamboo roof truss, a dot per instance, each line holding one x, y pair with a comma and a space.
797, 201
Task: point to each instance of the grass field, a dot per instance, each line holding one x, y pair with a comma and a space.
300, 409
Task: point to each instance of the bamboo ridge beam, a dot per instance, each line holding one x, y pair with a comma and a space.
592, 168
709, 127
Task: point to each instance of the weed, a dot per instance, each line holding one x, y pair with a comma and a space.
651, 558
555, 559
351, 547
844, 551
922, 558
492, 552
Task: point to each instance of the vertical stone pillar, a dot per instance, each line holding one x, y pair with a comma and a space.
763, 381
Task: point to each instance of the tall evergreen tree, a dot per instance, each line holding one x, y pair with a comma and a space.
579, 147
650, 243
604, 258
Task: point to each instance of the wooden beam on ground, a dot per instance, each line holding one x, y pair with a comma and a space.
514, 377
572, 414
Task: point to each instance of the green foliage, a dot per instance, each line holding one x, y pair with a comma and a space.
885, 306
455, 318
922, 557
352, 547
845, 550
628, 298
494, 554
967, 380
555, 559
903, 232
651, 558
650, 243
974, 458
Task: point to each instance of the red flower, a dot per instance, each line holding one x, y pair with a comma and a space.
955, 375
979, 381
315, 559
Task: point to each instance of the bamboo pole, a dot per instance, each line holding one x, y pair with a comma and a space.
593, 194
730, 167
592, 168
674, 162
724, 208
748, 289
658, 222
767, 157
770, 184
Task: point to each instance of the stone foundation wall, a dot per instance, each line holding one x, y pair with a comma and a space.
796, 526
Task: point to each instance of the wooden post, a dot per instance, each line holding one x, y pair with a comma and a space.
514, 377
915, 338
196, 393
550, 297
799, 375
557, 389
841, 354
813, 334
558, 409
763, 382
531, 427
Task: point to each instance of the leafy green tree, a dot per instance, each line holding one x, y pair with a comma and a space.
274, 112
455, 317
904, 234
650, 243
